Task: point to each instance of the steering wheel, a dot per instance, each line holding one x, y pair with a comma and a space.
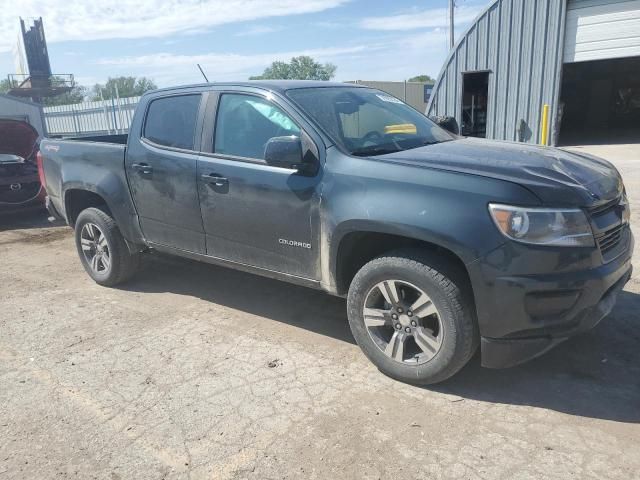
371, 136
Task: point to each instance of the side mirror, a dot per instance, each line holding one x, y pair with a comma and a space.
448, 123
285, 152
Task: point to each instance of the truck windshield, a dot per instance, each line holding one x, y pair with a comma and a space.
367, 122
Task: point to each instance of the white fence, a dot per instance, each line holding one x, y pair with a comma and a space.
91, 118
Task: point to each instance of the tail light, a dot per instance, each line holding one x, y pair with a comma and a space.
40, 168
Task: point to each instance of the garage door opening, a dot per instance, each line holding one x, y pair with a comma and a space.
475, 93
600, 102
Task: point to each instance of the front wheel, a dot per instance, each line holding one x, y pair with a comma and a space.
102, 249
411, 315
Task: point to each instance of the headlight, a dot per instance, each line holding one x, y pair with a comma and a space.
543, 226
626, 209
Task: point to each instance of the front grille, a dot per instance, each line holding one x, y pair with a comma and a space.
605, 208
610, 239
610, 227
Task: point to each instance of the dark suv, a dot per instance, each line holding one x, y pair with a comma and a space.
440, 243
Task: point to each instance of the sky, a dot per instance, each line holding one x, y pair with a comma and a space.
234, 39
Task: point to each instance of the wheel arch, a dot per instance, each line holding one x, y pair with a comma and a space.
78, 199
108, 194
360, 242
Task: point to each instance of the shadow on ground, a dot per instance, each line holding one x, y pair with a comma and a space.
594, 375
24, 218
264, 297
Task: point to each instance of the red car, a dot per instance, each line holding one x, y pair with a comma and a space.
20, 184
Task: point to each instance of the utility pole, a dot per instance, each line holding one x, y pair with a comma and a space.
452, 6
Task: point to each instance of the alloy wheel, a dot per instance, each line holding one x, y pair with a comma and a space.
403, 322
95, 248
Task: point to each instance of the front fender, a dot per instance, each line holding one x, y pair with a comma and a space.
443, 208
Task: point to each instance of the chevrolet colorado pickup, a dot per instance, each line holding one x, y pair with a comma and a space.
439, 243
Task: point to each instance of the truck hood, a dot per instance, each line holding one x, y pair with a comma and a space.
556, 176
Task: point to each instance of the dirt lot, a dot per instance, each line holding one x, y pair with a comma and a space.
193, 371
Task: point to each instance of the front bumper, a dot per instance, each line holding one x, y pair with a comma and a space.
530, 299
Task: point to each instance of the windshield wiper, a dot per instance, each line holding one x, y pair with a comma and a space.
370, 151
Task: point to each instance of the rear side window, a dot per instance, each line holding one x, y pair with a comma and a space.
171, 121
246, 123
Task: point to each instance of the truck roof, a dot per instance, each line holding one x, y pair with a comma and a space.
279, 86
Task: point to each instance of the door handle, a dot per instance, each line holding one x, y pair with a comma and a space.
143, 168
215, 179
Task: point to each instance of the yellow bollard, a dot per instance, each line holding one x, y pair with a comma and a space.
544, 134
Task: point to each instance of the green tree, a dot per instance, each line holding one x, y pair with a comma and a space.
300, 68
422, 78
4, 85
126, 87
77, 94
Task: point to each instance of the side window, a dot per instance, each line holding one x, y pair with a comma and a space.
245, 124
171, 121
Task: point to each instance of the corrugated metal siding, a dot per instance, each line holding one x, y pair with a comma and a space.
520, 42
17, 109
601, 29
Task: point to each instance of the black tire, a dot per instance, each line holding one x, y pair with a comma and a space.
448, 292
123, 264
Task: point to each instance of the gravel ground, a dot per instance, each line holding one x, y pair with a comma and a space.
194, 371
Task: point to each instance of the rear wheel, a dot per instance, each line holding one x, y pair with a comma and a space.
411, 316
102, 249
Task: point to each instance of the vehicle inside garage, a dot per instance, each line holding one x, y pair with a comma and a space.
600, 102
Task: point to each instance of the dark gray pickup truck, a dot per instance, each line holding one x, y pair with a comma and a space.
440, 243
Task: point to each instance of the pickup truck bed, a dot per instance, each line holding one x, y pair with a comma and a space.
73, 164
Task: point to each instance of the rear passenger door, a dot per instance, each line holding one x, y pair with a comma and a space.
253, 213
161, 168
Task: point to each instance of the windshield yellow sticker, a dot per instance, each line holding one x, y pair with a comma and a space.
401, 128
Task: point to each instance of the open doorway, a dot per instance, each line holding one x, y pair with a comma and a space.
600, 102
475, 96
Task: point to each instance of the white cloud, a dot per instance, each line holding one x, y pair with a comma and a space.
396, 57
87, 81
172, 69
402, 57
258, 30
431, 18
77, 20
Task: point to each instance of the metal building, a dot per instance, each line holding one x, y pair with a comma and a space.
580, 57
18, 109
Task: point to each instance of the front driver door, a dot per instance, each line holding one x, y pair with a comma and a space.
253, 213
161, 168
